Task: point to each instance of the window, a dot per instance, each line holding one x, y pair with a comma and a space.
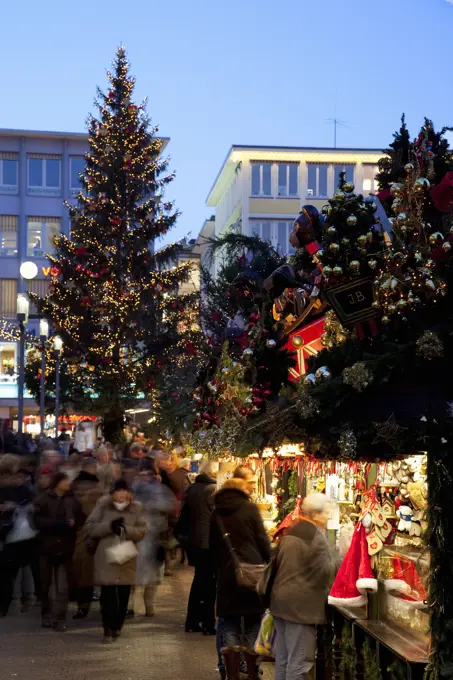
41, 288
8, 235
283, 245
8, 298
9, 164
317, 180
287, 179
77, 166
44, 175
261, 179
369, 178
41, 232
349, 176
262, 229
7, 362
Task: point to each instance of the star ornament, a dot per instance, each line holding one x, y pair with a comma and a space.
230, 393
388, 432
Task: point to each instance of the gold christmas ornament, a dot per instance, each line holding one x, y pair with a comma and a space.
297, 341
391, 309
369, 236
354, 266
361, 240
331, 231
421, 184
401, 303
334, 248
446, 246
409, 167
402, 218
385, 320
339, 196
348, 187
395, 189
337, 271
351, 221
326, 209
435, 238
324, 339
357, 376
344, 241
327, 271
372, 264
429, 346
396, 205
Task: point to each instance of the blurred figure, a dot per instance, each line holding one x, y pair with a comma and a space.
72, 467
115, 516
242, 472
159, 504
301, 587
16, 533
177, 480
57, 515
106, 470
88, 490
45, 475
198, 507
239, 607
185, 465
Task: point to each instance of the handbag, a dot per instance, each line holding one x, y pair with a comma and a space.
122, 551
247, 575
267, 580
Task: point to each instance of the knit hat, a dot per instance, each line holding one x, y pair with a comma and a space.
120, 485
355, 575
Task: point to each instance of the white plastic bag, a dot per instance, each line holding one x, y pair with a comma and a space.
121, 552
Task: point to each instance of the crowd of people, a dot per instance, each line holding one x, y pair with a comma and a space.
103, 525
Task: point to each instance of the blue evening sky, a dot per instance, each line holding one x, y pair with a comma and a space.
219, 72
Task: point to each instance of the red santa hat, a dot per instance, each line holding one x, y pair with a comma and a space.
355, 576
407, 583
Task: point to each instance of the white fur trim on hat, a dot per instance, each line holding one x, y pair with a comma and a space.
397, 585
348, 602
364, 584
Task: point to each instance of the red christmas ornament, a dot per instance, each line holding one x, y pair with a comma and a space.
116, 221
132, 108
150, 384
257, 391
267, 393
209, 401
195, 426
215, 316
206, 416
258, 402
81, 251
86, 302
255, 316
244, 411
111, 94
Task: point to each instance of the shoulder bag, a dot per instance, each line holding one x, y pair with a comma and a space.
267, 580
122, 551
247, 575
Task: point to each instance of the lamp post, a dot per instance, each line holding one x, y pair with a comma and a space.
22, 317
58, 346
43, 335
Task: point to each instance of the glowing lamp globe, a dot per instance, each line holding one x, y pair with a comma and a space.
28, 270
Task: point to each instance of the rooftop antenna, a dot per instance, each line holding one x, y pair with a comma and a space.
336, 123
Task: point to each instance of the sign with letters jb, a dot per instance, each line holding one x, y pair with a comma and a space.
352, 302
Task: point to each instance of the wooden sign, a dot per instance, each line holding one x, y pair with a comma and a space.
352, 302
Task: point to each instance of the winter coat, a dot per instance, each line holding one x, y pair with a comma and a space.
242, 520
98, 525
158, 503
88, 490
199, 506
12, 496
304, 571
179, 482
51, 514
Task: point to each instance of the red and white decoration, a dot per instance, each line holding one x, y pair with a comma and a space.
355, 577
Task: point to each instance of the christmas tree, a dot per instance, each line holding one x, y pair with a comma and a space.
115, 300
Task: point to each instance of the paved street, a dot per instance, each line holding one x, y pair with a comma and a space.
155, 649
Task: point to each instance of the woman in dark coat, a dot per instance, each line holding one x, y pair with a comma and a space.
239, 607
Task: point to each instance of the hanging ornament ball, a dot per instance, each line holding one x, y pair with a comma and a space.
327, 271
372, 264
235, 364
395, 189
324, 339
309, 379
435, 238
331, 231
348, 187
396, 205
212, 388
391, 308
247, 352
297, 341
225, 370
326, 209
421, 184
339, 196
402, 218
370, 203
351, 221
385, 320
344, 241
354, 266
322, 374
361, 240
446, 246
334, 248
430, 284
270, 344
401, 303
409, 167
337, 271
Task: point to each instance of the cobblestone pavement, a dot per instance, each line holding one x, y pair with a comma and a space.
149, 649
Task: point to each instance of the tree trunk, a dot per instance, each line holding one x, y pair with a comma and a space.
113, 424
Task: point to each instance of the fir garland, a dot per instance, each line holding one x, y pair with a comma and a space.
371, 670
348, 654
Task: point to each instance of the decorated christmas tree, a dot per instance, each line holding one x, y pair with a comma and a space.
115, 300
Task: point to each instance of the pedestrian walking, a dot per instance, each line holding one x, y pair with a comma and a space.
238, 605
198, 508
304, 573
88, 490
57, 515
115, 517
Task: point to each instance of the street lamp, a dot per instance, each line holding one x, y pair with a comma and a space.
58, 346
43, 335
22, 317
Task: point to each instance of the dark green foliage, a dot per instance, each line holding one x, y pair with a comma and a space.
348, 654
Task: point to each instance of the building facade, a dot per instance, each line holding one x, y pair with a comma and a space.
260, 190
38, 172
